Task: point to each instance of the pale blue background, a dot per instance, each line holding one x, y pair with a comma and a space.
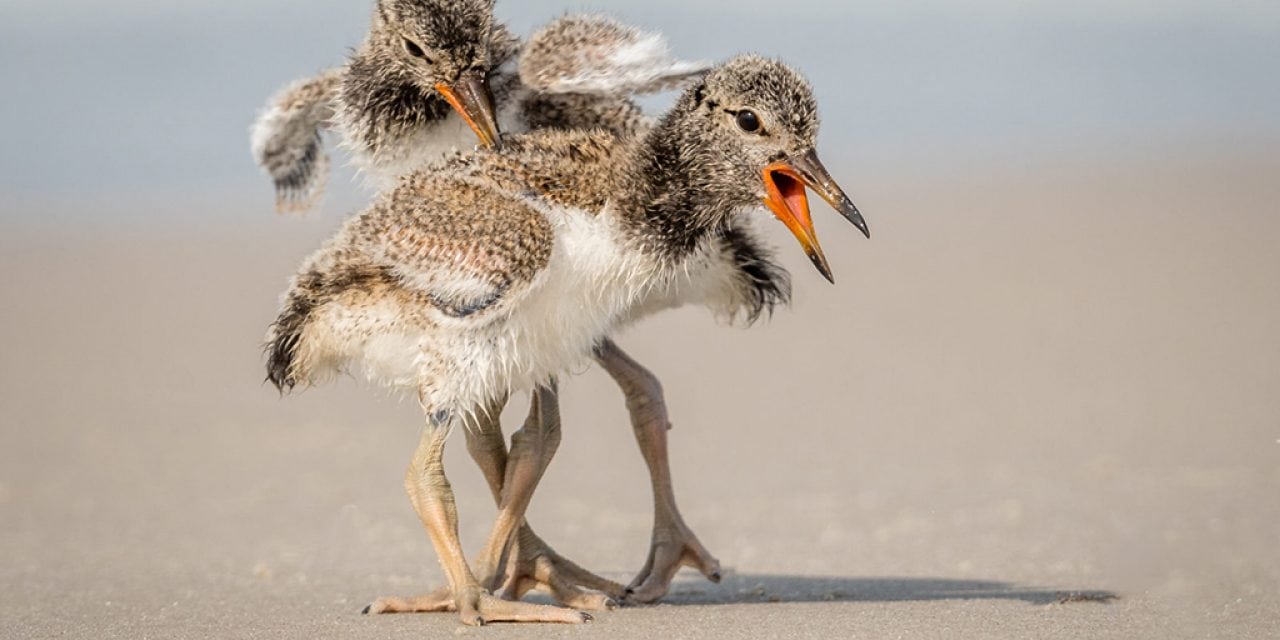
142, 97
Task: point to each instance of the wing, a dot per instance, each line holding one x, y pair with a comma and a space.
286, 140
761, 283
468, 249
598, 55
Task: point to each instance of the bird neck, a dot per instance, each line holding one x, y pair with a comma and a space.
673, 206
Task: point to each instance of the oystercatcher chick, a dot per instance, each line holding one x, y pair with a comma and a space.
498, 270
432, 76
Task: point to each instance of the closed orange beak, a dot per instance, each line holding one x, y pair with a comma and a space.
471, 98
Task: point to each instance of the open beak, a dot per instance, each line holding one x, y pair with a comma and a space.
785, 182
473, 100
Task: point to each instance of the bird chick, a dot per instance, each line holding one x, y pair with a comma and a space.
498, 270
433, 76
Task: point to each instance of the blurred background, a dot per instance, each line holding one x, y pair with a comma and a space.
1051, 377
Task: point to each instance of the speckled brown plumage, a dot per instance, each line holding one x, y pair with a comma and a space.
567, 168
580, 111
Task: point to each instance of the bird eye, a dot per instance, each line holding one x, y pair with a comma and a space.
748, 121
413, 49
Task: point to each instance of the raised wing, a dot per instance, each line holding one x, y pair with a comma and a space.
596, 54
286, 141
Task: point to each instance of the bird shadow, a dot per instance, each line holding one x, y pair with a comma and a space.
759, 589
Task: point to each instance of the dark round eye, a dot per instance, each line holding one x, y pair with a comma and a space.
748, 121
413, 49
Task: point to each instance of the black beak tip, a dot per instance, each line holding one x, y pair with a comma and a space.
822, 266
851, 212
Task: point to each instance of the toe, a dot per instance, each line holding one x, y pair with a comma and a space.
651, 591
380, 606
574, 597
705, 563
441, 600
498, 610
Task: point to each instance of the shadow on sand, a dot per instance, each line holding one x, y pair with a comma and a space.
749, 589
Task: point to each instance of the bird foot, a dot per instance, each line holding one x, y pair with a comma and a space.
438, 601
476, 607
535, 566
479, 608
538, 566
674, 546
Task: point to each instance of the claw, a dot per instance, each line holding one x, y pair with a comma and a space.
674, 546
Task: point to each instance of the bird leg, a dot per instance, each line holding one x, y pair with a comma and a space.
433, 500
532, 448
673, 544
535, 564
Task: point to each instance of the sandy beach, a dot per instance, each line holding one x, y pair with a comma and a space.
1042, 402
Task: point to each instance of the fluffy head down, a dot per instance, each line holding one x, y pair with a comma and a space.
433, 40
392, 83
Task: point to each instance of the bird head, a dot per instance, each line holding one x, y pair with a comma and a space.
443, 46
754, 123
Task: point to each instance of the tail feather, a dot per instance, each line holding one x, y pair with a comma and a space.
311, 290
283, 340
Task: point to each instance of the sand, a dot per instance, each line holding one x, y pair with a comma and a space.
1042, 402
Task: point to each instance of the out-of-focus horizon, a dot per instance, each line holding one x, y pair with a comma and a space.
150, 101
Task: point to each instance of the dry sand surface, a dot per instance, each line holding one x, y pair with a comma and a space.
1043, 402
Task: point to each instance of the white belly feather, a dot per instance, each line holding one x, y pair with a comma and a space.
593, 284
590, 285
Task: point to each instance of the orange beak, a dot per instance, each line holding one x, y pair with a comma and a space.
473, 100
785, 182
